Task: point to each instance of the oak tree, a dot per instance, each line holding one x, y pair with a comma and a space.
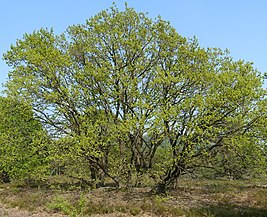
126, 95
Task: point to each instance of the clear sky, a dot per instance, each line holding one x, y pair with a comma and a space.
238, 25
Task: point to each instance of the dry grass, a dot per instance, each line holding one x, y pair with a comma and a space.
190, 198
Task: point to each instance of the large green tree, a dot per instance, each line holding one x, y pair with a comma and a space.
126, 95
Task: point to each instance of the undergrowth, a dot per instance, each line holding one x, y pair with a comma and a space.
192, 198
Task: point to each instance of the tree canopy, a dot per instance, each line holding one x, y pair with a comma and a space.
126, 96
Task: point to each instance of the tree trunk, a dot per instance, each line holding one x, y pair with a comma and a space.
173, 174
161, 188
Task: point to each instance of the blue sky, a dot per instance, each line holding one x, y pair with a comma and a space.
238, 25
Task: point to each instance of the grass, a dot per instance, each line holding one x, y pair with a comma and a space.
210, 198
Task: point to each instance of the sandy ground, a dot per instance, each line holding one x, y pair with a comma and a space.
15, 212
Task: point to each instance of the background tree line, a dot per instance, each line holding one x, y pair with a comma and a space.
124, 98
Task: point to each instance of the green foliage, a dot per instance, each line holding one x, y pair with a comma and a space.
123, 96
23, 143
61, 204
